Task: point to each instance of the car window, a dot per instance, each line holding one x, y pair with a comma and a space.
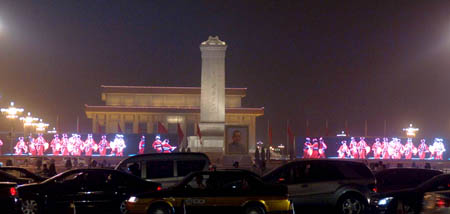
159, 169
441, 184
199, 182
70, 177
187, 166
16, 173
354, 171
235, 183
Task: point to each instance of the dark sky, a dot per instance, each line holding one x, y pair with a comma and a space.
315, 60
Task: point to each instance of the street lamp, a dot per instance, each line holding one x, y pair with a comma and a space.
28, 121
411, 131
11, 113
41, 126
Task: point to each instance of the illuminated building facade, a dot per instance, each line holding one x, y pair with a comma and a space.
138, 109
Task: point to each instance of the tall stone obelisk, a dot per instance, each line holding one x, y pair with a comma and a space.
212, 101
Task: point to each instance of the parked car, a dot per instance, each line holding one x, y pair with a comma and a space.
165, 168
394, 179
436, 202
7, 197
22, 173
6, 177
79, 189
223, 191
409, 200
337, 184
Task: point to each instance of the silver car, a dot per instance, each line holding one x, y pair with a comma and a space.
338, 184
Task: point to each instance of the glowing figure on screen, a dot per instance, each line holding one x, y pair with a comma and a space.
322, 148
142, 145
315, 147
166, 147
343, 150
422, 149
71, 144
363, 148
377, 149
55, 144
103, 145
307, 148
1, 145
397, 149
89, 145
353, 148
385, 151
409, 149
21, 147
119, 144
437, 149
64, 145
32, 145
157, 144
41, 145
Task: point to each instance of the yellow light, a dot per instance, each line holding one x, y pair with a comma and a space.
411, 131
28, 120
40, 127
12, 112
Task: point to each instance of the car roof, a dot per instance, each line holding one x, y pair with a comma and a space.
165, 156
354, 162
393, 170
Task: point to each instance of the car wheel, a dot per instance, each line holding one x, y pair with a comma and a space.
29, 206
159, 209
254, 209
351, 204
123, 207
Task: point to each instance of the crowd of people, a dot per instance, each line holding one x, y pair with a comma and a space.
70, 146
380, 149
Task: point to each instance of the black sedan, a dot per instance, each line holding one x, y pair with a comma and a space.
76, 190
408, 200
394, 179
6, 177
22, 173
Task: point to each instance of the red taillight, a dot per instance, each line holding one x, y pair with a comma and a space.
159, 188
440, 203
375, 189
13, 191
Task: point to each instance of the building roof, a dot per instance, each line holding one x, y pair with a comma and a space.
145, 109
165, 90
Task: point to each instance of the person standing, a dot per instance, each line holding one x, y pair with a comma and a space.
423, 149
377, 149
157, 144
343, 150
353, 147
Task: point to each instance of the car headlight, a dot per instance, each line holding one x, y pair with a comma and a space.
133, 199
385, 201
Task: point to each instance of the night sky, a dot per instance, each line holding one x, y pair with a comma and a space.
315, 60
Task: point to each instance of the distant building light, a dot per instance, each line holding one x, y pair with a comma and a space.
411, 131
342, 134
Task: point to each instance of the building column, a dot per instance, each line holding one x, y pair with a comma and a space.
136, 124
94, 123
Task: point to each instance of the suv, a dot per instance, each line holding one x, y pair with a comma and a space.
165, 168
344, 185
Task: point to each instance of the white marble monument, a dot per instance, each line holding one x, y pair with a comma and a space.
212, 101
